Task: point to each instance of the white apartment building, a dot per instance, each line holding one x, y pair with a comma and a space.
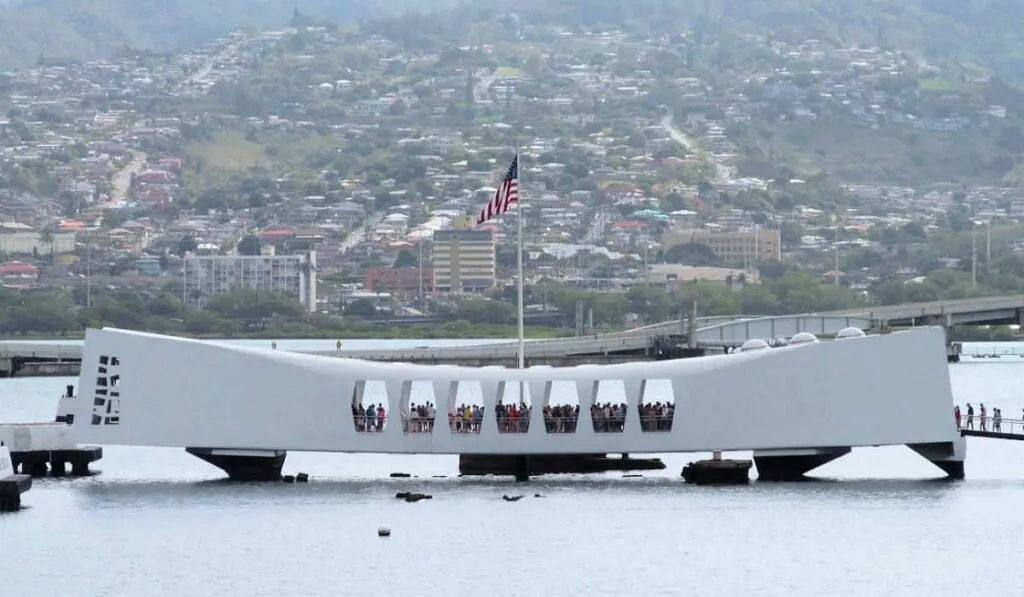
21, 239
293, 276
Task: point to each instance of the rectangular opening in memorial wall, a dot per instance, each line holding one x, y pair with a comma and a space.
107, 397
513, 407
610, 406
657, 405
369, 406
466, 407
562, 410
419, 407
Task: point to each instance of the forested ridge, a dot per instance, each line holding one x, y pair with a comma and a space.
87, 29
986, 33
971, 33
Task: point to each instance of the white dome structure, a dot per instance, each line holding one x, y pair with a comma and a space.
802, 338
850, 333
753, 344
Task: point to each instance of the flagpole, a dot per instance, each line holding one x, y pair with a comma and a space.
519, 271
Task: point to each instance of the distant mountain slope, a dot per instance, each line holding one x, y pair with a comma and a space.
988, 33
85, 29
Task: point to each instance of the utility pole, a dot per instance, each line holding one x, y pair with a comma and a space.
835, 278
88, 271
647, 275
988, 248
974, 256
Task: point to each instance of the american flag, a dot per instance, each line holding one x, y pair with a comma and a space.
505, 196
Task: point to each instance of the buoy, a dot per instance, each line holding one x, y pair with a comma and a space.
383, 532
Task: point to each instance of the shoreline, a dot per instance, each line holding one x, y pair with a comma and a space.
399, 333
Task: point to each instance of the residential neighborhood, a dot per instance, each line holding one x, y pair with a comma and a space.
343, 172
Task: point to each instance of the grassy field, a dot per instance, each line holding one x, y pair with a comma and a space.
230, 151
943, 85
892, 155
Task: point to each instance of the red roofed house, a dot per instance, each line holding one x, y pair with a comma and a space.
154, 177
16, 271
273, 235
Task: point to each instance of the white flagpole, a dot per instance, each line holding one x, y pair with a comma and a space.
519, 272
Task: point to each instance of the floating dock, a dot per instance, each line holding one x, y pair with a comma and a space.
717, 471
38, 449
12, 485
551, 464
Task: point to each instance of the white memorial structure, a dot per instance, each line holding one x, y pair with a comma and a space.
796, 407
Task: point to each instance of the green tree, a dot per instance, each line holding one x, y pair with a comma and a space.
405, 258
249, 245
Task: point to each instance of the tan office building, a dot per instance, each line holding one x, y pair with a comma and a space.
464, 261
734, 246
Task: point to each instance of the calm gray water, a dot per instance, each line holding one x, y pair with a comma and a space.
158, 522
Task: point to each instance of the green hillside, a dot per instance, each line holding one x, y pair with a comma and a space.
987, 33
85, 29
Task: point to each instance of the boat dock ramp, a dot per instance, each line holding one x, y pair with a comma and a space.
1011, 354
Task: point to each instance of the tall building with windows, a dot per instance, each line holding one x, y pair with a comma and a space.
293, 276
464, 261
733, 246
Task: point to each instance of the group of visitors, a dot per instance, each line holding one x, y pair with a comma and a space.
420, 419
466, 419
608, 417
515, 418
657, 416
986, 422
561, 418
369, 419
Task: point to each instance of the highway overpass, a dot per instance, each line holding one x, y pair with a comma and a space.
993, 310
713, 332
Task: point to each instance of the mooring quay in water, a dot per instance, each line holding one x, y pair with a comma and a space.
795, 407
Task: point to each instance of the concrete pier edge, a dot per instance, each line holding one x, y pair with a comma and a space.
522, 466
244, 465
793, 465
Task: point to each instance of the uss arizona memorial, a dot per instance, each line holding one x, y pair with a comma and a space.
796, 407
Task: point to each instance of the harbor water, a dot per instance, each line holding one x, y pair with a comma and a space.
161, 523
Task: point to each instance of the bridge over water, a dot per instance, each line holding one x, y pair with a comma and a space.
1012, 429
62, 358
662, 340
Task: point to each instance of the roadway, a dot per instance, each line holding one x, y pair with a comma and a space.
724, 173
978, 311
712, 332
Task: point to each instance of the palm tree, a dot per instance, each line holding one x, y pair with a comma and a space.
47, 237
